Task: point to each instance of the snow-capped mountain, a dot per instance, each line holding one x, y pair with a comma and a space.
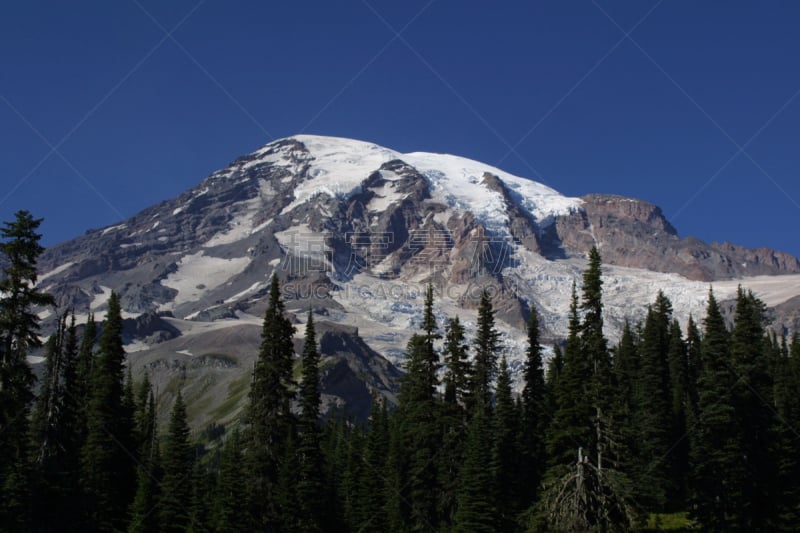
355, 231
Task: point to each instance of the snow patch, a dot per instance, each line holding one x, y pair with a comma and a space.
114, 228
198, 274
257, 286
100, 299
56, 271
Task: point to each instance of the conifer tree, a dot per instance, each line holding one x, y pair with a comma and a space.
585, 424
571, 426
785, 440
535, 416
486, 346
453, 416
396, 486
753, 404
269, 414
419, 410
228, 515
594, 345
107, 469
201, 499
144, 513
86, 359
693, 370
19, 327
55, 438
457, 366
374, 473
177, 464
554, 369
476, 512
681, 400
310, 479
716, 454
653, 410
289, 504
505, 453
626, 371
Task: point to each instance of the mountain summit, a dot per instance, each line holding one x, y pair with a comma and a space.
355, 231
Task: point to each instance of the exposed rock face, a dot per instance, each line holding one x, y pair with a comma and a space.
634, 233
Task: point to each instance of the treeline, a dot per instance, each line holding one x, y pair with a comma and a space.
693, 427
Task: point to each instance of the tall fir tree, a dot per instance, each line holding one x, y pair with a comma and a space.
653, 409
694, 369
419, 410
19, 328
681, 402
269, 415
229, 511
144, 508
374, 473
310, 481
476, 511
594, 345
457, 365
55, 438
535, 416
453, 420
785, 439
107, 469
715, 452
505, 458
177, 464
486, 346
753, 403
571, 426
585, 422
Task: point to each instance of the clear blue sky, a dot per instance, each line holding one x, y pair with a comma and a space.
138, 114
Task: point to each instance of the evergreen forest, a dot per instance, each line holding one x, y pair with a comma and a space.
682, 428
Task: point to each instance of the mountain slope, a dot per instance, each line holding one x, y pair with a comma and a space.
355, 231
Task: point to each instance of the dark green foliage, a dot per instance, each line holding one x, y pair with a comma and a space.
19, 327
785, 438
535, 416
269, 415
476, 511
693, 370
753, 404
107, 467
453, 419
457, 367
715, 441
571, 426
177, 464
144, 513
681, 405
706, 425
653, 409
486, 348
309, 482
505, 460
286, 490
374, 472
594, 346
56, 442
229, 510
419, 411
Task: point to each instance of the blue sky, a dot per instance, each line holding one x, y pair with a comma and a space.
109, 107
